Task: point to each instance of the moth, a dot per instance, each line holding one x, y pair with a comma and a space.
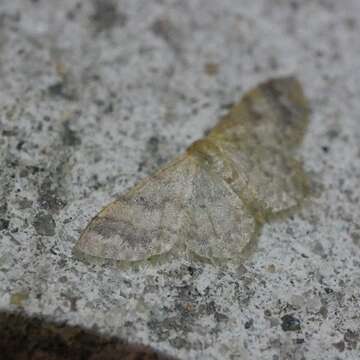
213, 199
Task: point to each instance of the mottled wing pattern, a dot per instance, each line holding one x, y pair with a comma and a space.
274, 114
267, 180
144, 222
257, 137
186, 202
219, 224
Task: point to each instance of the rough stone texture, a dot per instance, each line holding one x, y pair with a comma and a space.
94, 95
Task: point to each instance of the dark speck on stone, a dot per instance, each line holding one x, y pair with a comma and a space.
20, 145
190, 270
249, 324
153, 144
4, 224
340, 346
109, 109
290, 323
227, 106
61, 89
299, 341
44, 224
178, 342
9, 132
56, 89
267, 312
351, 338
69, 136
3, 208
106, 15
220, 317
332, 134
161, 28
325, 149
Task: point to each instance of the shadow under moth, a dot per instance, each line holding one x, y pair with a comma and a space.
212, 200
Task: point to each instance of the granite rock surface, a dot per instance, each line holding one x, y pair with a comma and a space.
95, 95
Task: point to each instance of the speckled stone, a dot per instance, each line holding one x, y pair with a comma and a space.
44, 224
95, 95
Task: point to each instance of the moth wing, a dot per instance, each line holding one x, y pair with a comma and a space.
219, 225
275, 114
257, 138
266, 179
145, 222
